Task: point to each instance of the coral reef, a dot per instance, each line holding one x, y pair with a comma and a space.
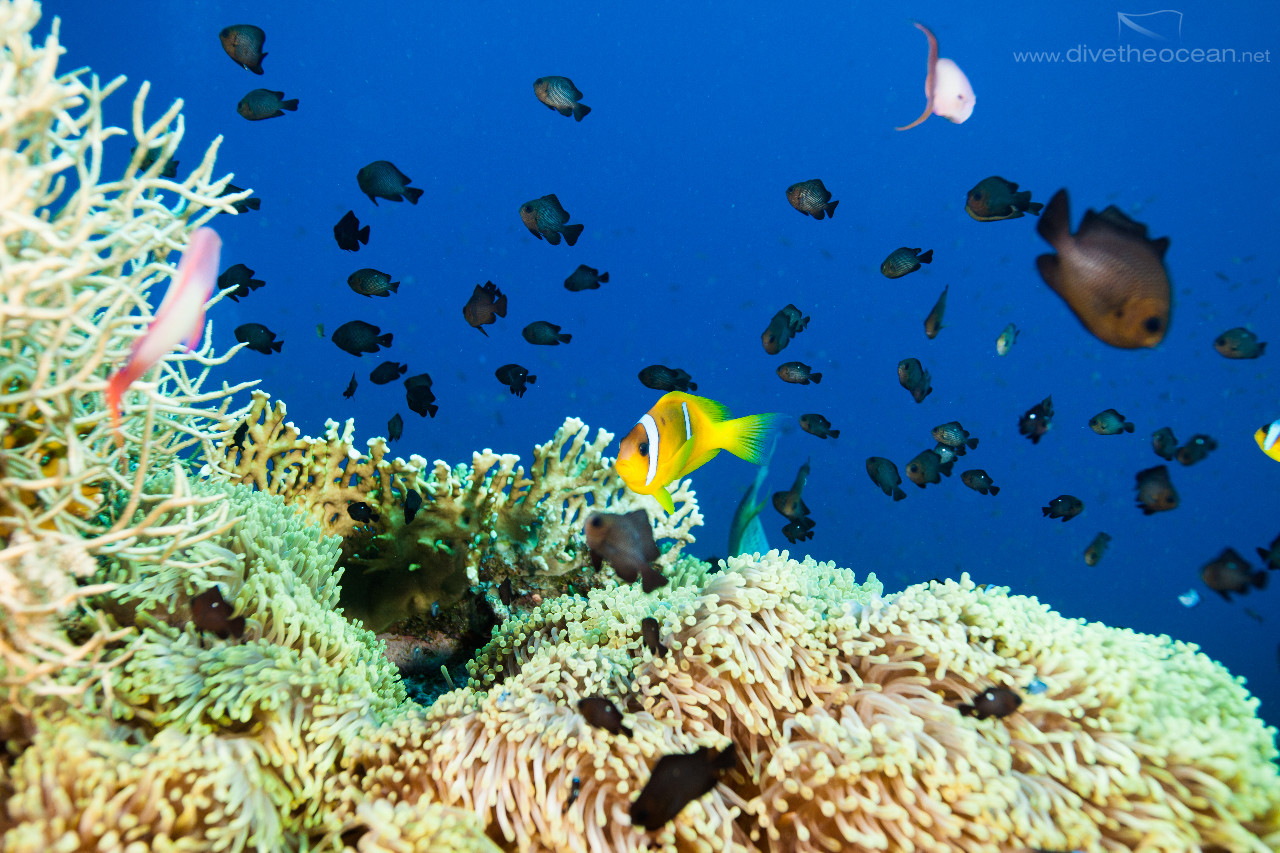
477, 526
127, 727
82, 257
842, 706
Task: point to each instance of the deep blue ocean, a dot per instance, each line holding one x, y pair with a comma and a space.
702, 115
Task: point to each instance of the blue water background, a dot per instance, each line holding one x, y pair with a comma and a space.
703, 114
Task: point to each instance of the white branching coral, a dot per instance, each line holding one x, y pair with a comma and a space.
477, 525
81, 259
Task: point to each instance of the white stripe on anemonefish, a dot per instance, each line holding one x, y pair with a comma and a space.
651, 433
688, 427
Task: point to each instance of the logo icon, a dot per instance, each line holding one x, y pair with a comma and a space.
1161, 26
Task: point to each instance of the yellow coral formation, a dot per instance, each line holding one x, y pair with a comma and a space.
482, 524
842, 707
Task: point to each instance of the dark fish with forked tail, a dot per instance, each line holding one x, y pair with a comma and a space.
243, 43
903, 260
486, 305
885, 475
358, 337
261, 104
1110, 274
546, 218
381, 179
625, 542
994, 198
812, 198
559, 94
349, 234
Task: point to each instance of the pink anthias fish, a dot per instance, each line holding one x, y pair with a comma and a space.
946, 88
179, 318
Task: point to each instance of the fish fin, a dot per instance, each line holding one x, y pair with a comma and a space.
394, 287
995, 490
928, 111
276, 345
603, 277
925, 258
580, 111
651, 578
1114, 219
564, 111
689, 463
713, 411
385, 339
363, 235
830, 208
898, 494
973, 443
1260, 579
413, 194
564, 337
1034, 208
746, 437
664, 499
1055, 223
1128, 427
553, 237
833, 433
571, 233
816, 377
116, 387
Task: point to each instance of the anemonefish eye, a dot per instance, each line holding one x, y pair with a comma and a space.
643, 448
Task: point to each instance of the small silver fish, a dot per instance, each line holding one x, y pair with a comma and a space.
1005, 342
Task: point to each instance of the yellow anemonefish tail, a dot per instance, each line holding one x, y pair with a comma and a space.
1268, 438
681, 433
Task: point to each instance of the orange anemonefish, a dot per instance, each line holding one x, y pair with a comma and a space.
1268, 438
682, 433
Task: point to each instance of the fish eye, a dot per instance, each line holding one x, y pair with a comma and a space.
596, 521
1152, 324
643, 448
